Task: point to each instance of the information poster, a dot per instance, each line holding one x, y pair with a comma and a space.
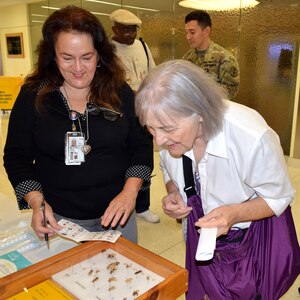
12, 262
9, 90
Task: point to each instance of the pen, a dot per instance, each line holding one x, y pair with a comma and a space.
43, 206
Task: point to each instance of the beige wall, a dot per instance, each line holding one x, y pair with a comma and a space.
13, 19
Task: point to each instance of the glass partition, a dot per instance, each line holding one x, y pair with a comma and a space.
263, 38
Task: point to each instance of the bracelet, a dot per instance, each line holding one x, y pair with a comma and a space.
37, 195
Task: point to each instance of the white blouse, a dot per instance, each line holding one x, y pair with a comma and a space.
243, 161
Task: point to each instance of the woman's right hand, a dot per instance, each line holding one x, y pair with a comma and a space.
37, 221
174, 206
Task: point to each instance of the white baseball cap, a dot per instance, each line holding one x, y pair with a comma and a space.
125, 17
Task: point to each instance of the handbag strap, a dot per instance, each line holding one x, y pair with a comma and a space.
146, 52
189, 188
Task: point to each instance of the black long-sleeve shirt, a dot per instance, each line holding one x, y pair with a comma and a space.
34, 154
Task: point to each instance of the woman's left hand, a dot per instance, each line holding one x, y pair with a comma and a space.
119, 209
222, 218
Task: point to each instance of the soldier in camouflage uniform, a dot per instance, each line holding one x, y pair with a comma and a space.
218, 62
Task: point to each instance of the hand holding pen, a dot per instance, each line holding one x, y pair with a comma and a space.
43, 221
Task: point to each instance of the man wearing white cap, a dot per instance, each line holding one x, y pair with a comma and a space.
137, 61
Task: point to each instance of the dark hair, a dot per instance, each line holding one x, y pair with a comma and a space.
108, 77
200, 16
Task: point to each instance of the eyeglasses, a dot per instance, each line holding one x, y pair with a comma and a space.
108, 114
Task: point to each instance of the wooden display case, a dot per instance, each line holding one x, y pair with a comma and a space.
173, 285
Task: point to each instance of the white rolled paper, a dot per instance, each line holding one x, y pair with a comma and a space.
206, 244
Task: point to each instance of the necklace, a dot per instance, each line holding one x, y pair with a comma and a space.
74, 115
86, 148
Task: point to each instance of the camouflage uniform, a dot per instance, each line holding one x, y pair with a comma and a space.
220, 64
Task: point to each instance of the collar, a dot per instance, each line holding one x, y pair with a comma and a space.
210, 45
216, 147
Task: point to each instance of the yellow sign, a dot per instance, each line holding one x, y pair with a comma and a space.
9, 90
45, 290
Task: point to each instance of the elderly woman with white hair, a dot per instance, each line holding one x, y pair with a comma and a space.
224, 168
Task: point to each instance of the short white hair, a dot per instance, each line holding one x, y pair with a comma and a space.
180, 88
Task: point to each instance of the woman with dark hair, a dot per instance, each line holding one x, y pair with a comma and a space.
226, 176
77, 95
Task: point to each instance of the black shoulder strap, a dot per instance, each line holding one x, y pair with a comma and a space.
145, 48
188, 176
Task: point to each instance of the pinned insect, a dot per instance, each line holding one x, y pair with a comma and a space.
111, 279
111, 255
95, 279
128, 280
112, 267
128, 266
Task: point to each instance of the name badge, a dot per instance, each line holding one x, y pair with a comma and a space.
74, 142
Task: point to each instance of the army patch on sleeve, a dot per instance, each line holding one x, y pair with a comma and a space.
234, 71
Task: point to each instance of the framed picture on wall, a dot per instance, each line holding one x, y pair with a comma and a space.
14, 45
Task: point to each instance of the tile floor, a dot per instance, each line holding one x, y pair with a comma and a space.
165, 238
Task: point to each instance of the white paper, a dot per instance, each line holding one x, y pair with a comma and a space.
78, 234
206, 244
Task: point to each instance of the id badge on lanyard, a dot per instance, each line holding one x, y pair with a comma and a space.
74, 143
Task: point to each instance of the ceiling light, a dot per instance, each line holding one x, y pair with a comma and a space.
104, 2
98, 13
38, 15
217, 4
141, 8
50, 7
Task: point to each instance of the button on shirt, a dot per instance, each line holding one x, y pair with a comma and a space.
243, 161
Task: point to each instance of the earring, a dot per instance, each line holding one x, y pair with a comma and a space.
98, 65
